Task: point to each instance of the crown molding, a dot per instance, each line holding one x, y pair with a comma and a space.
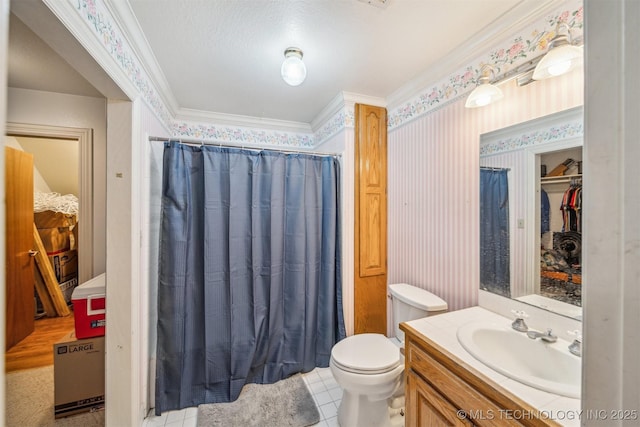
335, 106
497, 32
137, 41
190, 115
521, 47
71, 19
93, 25
351, 99
341, 101
240, 135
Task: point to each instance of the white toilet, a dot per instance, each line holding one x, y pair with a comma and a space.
369, 367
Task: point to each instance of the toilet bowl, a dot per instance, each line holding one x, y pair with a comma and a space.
370, 367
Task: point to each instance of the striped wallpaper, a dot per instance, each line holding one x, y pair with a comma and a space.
433, 185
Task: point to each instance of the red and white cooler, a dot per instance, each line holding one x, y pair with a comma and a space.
89, 308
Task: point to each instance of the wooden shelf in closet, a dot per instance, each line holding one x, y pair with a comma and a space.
562, 179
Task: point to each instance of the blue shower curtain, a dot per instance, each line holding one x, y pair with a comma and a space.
494, 231
249, 282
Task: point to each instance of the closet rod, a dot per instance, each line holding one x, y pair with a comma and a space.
248, 147
561, 179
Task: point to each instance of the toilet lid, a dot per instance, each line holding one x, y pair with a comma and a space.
370, 353
417, 297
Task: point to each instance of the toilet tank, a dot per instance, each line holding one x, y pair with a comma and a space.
410, 303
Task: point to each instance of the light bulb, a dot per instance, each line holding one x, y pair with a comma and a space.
293, 70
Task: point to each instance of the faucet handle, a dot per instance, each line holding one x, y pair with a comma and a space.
520, 314
519, 324
577, 334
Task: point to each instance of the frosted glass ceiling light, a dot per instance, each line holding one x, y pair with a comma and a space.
561, 58
293, 70
485, 93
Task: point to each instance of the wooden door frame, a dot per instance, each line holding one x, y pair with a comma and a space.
84, 136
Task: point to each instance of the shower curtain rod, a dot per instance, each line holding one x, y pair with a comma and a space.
248, 147
491, 168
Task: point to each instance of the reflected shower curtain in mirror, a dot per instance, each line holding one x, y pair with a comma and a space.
494, 231
250, 281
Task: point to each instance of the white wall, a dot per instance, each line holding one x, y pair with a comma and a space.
151, 215
130, 267
611, 238
55, 109
434, 183
344, 143
39, 183
57, 160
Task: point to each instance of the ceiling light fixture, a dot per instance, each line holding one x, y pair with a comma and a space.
561, 57
485, 93
293, 70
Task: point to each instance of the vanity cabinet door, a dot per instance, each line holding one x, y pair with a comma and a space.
428, 407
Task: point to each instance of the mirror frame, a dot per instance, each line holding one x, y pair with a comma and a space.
553, 132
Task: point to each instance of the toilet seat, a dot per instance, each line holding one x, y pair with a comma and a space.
366, 354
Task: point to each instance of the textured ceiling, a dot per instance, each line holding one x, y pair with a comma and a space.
224, 56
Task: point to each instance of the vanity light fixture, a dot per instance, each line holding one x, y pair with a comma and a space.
561, 57
293, 70
486, 93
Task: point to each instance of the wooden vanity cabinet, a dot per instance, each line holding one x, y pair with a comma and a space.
441, 390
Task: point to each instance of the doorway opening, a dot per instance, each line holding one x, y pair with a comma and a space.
62, 163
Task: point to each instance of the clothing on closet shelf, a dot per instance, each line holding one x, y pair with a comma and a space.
571, 207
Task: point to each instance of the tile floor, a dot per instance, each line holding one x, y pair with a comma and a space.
324, 389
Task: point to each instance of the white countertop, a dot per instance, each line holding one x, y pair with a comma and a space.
442, 330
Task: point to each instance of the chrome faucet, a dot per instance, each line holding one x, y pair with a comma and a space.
519, 324
544, 336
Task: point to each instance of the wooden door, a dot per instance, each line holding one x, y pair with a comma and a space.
370, 285
20, 304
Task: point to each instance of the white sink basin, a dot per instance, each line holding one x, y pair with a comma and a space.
545, 366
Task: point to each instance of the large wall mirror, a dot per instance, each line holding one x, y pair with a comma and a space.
530, 212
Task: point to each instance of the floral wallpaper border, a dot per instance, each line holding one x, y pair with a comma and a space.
531, 43
552, 134
237, 135
100, 20
341, 120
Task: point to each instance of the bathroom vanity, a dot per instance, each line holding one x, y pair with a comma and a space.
445, 385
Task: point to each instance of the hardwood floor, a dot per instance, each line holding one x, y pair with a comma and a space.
36, 350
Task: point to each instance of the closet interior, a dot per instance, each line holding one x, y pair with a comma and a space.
561, 225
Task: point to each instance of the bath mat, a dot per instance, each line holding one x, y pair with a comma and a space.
285, 403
